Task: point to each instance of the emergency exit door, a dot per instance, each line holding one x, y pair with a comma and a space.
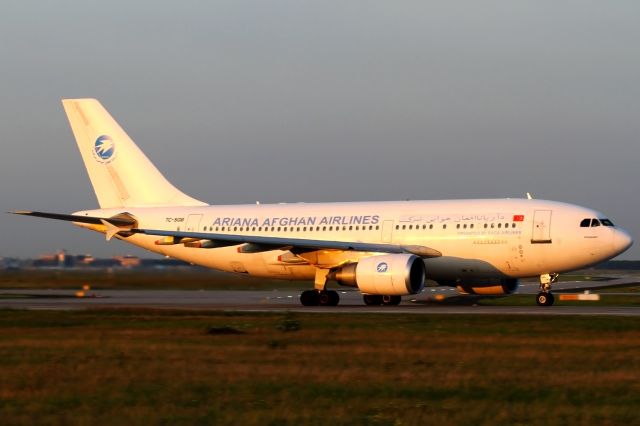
387, 231
541, 233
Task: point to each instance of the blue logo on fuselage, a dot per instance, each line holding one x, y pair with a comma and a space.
382, 267
104, 148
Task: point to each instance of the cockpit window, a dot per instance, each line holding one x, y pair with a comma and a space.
595, 222
606, 222
585, 223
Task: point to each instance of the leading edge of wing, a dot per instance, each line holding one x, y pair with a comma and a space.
296, 243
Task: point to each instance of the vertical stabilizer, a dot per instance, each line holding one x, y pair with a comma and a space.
121, 175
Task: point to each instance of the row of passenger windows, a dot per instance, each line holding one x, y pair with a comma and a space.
291, 228
592, 222
458, 226
344, 228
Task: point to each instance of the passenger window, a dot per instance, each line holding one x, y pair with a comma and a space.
444, 226
585, 223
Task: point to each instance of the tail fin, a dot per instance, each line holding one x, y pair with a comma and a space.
121, 175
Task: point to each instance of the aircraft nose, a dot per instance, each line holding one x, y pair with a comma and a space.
621, 240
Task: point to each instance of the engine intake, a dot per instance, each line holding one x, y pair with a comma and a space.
392, 274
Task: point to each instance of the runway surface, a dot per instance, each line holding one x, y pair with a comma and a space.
283, 300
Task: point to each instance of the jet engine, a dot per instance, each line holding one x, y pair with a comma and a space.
392, 274
489, 288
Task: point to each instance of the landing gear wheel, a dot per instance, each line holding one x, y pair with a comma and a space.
334, 298
310, 298
328, 298
545, 299
372, 299
391, 300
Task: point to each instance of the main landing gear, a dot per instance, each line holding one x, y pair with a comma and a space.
320, 298
545, 297
377, 300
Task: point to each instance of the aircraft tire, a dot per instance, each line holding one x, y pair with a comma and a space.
545, 299
391, 300
310, 298
334, 297
372, 299
328, 298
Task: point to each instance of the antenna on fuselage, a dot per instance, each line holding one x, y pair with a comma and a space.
529, 196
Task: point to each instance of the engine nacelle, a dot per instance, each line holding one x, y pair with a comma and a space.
490, 288
391, 274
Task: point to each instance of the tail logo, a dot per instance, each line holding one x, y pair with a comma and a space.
104, 149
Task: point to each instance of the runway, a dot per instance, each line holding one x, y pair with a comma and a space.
272, 301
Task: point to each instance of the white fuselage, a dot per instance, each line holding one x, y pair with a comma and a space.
502, 238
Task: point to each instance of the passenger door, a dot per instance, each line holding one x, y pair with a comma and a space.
193, 222
541, 233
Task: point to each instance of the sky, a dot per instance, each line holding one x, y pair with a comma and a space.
284, 101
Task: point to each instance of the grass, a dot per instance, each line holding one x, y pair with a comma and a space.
166, 367
157, 279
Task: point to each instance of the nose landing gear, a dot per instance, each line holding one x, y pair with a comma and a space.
545, 297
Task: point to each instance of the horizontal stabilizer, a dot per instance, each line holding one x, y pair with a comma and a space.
120, 220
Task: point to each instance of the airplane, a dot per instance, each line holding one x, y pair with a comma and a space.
384, 249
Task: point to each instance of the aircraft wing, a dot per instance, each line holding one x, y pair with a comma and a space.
256, 243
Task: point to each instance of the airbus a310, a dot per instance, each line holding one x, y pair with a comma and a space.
385, 249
